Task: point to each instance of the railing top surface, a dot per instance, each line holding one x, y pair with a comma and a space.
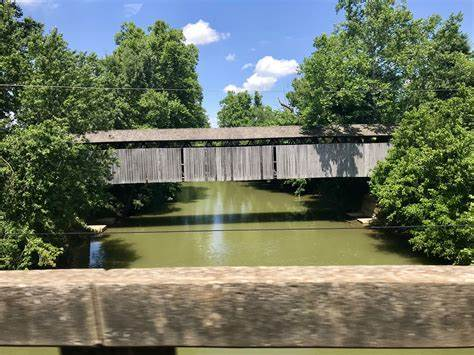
236, 133
413, 274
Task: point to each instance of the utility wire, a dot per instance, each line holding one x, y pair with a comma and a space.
289, 229
122, 88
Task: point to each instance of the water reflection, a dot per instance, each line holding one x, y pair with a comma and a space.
123, 251
208, 208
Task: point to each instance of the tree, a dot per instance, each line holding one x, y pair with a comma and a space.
59, 80
379, 63
236, 110
65, 87
383, 66
150, 61
20, 248
141, 65
428, 179
49, 184
16, 34
242, 110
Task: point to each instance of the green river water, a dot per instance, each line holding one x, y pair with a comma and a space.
214, 211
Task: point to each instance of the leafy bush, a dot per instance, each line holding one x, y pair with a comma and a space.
48, 182
428, 179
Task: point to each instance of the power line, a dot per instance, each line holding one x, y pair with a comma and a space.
79, 87
288, 229
124, 88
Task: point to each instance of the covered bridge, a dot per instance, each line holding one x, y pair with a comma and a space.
244, 153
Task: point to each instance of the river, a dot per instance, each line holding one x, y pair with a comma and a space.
201, 228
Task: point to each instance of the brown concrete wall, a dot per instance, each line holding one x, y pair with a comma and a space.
361, 306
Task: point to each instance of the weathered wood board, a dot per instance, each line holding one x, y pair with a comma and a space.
147, 165
228, 163
247, 163
328, 160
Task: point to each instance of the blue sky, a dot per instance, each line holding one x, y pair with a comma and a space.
253, 44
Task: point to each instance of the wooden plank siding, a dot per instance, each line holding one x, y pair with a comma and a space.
147, 165
228, 163
328, 160
246, 163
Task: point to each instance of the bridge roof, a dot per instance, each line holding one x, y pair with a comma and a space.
236, 133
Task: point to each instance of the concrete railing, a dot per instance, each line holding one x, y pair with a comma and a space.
361, 306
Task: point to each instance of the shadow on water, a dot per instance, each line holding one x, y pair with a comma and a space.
276, 186
189, 194
234, 218
339, 195
391, 243
322, 208
123, 253
79, 255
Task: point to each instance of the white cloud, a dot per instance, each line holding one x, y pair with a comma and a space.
201, 33
233, 88
51, 4
247, 66
276, 67
266, 74
29, 2
132, 9
230, 57
257, 82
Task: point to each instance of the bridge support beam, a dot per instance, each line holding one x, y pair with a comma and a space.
118, 351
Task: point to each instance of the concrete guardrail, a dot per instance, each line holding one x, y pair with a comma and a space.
360, 306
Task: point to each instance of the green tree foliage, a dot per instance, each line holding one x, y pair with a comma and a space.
379, 63
48, 181
21, 248
242, 110
16, 36
428, 178
66, 89
49, 184
154, 59
57, 78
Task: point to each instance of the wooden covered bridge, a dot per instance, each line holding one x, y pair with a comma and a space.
244, 153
